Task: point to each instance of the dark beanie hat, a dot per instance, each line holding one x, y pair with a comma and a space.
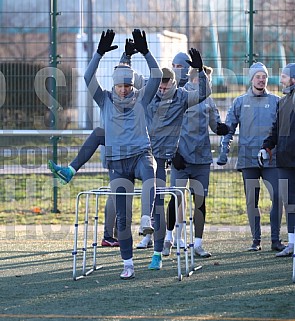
123, 74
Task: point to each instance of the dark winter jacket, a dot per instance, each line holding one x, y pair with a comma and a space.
282, 134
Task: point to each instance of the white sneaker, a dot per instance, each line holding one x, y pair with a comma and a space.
146, 225
145, 243
167, 248
201, 252
128, 272
181, 244
287, 251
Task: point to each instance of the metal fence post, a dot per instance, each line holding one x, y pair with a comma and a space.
251, 55
52, 89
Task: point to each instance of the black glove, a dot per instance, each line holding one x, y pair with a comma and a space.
178, 161
196, 58
130, 48
140, 43
263, 155
105, 42
222, 129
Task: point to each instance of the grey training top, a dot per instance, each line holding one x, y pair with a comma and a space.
194, 143
164, 118
254, 115
124, 122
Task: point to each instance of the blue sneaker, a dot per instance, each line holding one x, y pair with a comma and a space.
156, 263
64, 174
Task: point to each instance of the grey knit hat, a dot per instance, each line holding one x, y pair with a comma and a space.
123, 75
255, 68
289, 70
168, 74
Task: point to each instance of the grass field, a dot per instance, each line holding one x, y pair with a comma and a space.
27, 199
36, 281
37, 264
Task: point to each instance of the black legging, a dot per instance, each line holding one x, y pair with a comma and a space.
199, 215
95, 139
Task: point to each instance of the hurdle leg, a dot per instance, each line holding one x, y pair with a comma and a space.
84, 249
95, 233
182, 195
193, 267
188, 271
191, 228
75, 251
177, 240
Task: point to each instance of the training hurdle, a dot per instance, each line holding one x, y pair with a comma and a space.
105, 191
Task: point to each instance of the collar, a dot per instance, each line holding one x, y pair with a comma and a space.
289, 89
251, 93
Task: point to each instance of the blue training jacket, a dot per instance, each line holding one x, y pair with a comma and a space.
254, 115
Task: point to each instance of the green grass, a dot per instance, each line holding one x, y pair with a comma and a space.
37, 284
28, 199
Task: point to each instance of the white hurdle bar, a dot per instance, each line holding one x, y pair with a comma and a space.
103, 191
191, 229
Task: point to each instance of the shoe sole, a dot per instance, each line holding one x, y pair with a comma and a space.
287, 255
253, 250
144, 247
110, 245
132, 276
146, 230
203, 256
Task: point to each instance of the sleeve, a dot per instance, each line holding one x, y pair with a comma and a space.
91, 81
150, 89
232, 120
204, 90
139, 81
272, 140
214, 116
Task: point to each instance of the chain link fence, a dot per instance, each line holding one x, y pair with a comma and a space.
230, 35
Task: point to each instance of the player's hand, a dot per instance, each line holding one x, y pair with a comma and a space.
140, 43
263, 155
196, 59
105, 43
130, 48
222, 129
178, 161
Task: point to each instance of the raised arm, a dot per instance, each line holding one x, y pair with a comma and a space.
204, 90
153, 83
105, 45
